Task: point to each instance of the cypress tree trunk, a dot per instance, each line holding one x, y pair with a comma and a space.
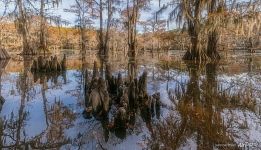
101, 43
192, 93
213, 36
195, 52
132, 40
212, 46
2, 100
83, 41
107, 36
43, 42
23, 29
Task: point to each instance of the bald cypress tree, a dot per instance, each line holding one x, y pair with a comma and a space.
203, 20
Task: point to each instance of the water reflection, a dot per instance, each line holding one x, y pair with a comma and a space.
14, 126
3, 64
200, 106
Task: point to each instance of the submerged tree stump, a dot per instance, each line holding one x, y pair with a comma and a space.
47, 65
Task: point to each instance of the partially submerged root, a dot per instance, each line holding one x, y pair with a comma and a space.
126, 95
43, 50
44, 65
50, 76
29, 51
196, 56
251, 50
213, 55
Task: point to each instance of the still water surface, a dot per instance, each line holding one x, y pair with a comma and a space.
202, 106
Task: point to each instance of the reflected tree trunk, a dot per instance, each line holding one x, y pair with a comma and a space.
210, 95
24, 87
21, 119
44, 85
193, 89
3, 64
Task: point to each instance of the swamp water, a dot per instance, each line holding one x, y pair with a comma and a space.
206, 106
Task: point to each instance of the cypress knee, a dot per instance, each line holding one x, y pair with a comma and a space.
95, 70
34, 67
47, 66
54, 64
59, 67
40, 62
64, 63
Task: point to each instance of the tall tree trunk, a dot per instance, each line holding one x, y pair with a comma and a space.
83, 41
43, 42
195, 52
101, 43
212, 46
213, 36
132, 23
107, 37
132, 41
23, 29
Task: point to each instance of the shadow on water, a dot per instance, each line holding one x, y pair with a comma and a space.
201, 106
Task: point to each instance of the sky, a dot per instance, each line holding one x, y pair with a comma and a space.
70, 17
144, 14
